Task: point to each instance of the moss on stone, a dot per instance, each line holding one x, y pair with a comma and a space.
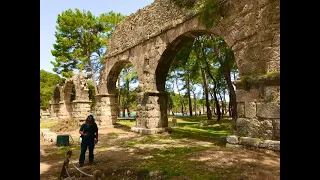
249, 80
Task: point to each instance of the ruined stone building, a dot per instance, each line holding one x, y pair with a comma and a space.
150, 38
62, 106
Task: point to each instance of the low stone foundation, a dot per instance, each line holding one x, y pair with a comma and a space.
149, 131
235, 141
48, 135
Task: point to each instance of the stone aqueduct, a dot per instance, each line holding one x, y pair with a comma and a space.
150, 38
62, 106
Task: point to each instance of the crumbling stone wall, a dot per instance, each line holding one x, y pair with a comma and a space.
150, 38
61, 105
54, 103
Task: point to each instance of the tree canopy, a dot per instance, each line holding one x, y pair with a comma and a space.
47, 84
81, 41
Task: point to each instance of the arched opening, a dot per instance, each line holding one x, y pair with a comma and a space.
197, 70
69, 96
56, 95
122, 86
54, 110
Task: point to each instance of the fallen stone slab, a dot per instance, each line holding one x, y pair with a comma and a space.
271, 145
247, 141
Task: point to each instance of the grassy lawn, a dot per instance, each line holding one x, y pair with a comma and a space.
192, 150
47, 124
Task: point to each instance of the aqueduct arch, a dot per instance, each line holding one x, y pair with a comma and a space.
150, 37
63, 107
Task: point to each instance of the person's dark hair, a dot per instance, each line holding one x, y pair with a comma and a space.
90, 116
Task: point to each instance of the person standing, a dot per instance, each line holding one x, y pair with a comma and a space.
89, 135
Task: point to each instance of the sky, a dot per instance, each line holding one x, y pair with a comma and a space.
49, 10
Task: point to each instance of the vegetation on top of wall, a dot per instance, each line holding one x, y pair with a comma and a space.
249, 80
185, 3
48, 82
209, 10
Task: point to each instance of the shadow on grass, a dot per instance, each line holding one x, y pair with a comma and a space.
197, 134
172, 162
123, 127
195, 119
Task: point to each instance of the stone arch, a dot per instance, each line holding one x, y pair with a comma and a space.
66, 107
63, 107
54, 103
107, 104
250, 27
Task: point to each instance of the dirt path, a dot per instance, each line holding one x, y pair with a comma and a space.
125, 155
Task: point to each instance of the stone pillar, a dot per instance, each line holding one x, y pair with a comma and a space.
54, 110
106, 109
151, 113
81, 110
63, 111
259, 109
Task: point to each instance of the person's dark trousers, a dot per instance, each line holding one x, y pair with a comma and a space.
84, 146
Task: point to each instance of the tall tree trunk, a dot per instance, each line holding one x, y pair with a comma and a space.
222, 105
214, 111
232, 95
123, 108
195, 102
217, 104
181, 100
215, 85
127, 94
224, 101
92, 74
203, 103
188, 93
119, 88
205, 87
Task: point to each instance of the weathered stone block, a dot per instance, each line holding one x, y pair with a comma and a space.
240, 110
149, 131
252, 142
273, 66
152, 123
274, 145
247, 96
232, 139
266, 129
248, 127
233, 145
250, 109
272, 93
276, 40
268, 110
49, 136
276, 129
271, 145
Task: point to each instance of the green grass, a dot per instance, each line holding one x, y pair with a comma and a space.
173, 162
47, 124
113, 134
189, 127
129, 123
147, 139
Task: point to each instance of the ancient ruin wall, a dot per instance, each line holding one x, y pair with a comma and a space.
63, 108
250, 27
148, 22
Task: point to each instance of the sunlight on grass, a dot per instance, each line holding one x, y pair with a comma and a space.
113, 134
173, 162
47, 124
129, 123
